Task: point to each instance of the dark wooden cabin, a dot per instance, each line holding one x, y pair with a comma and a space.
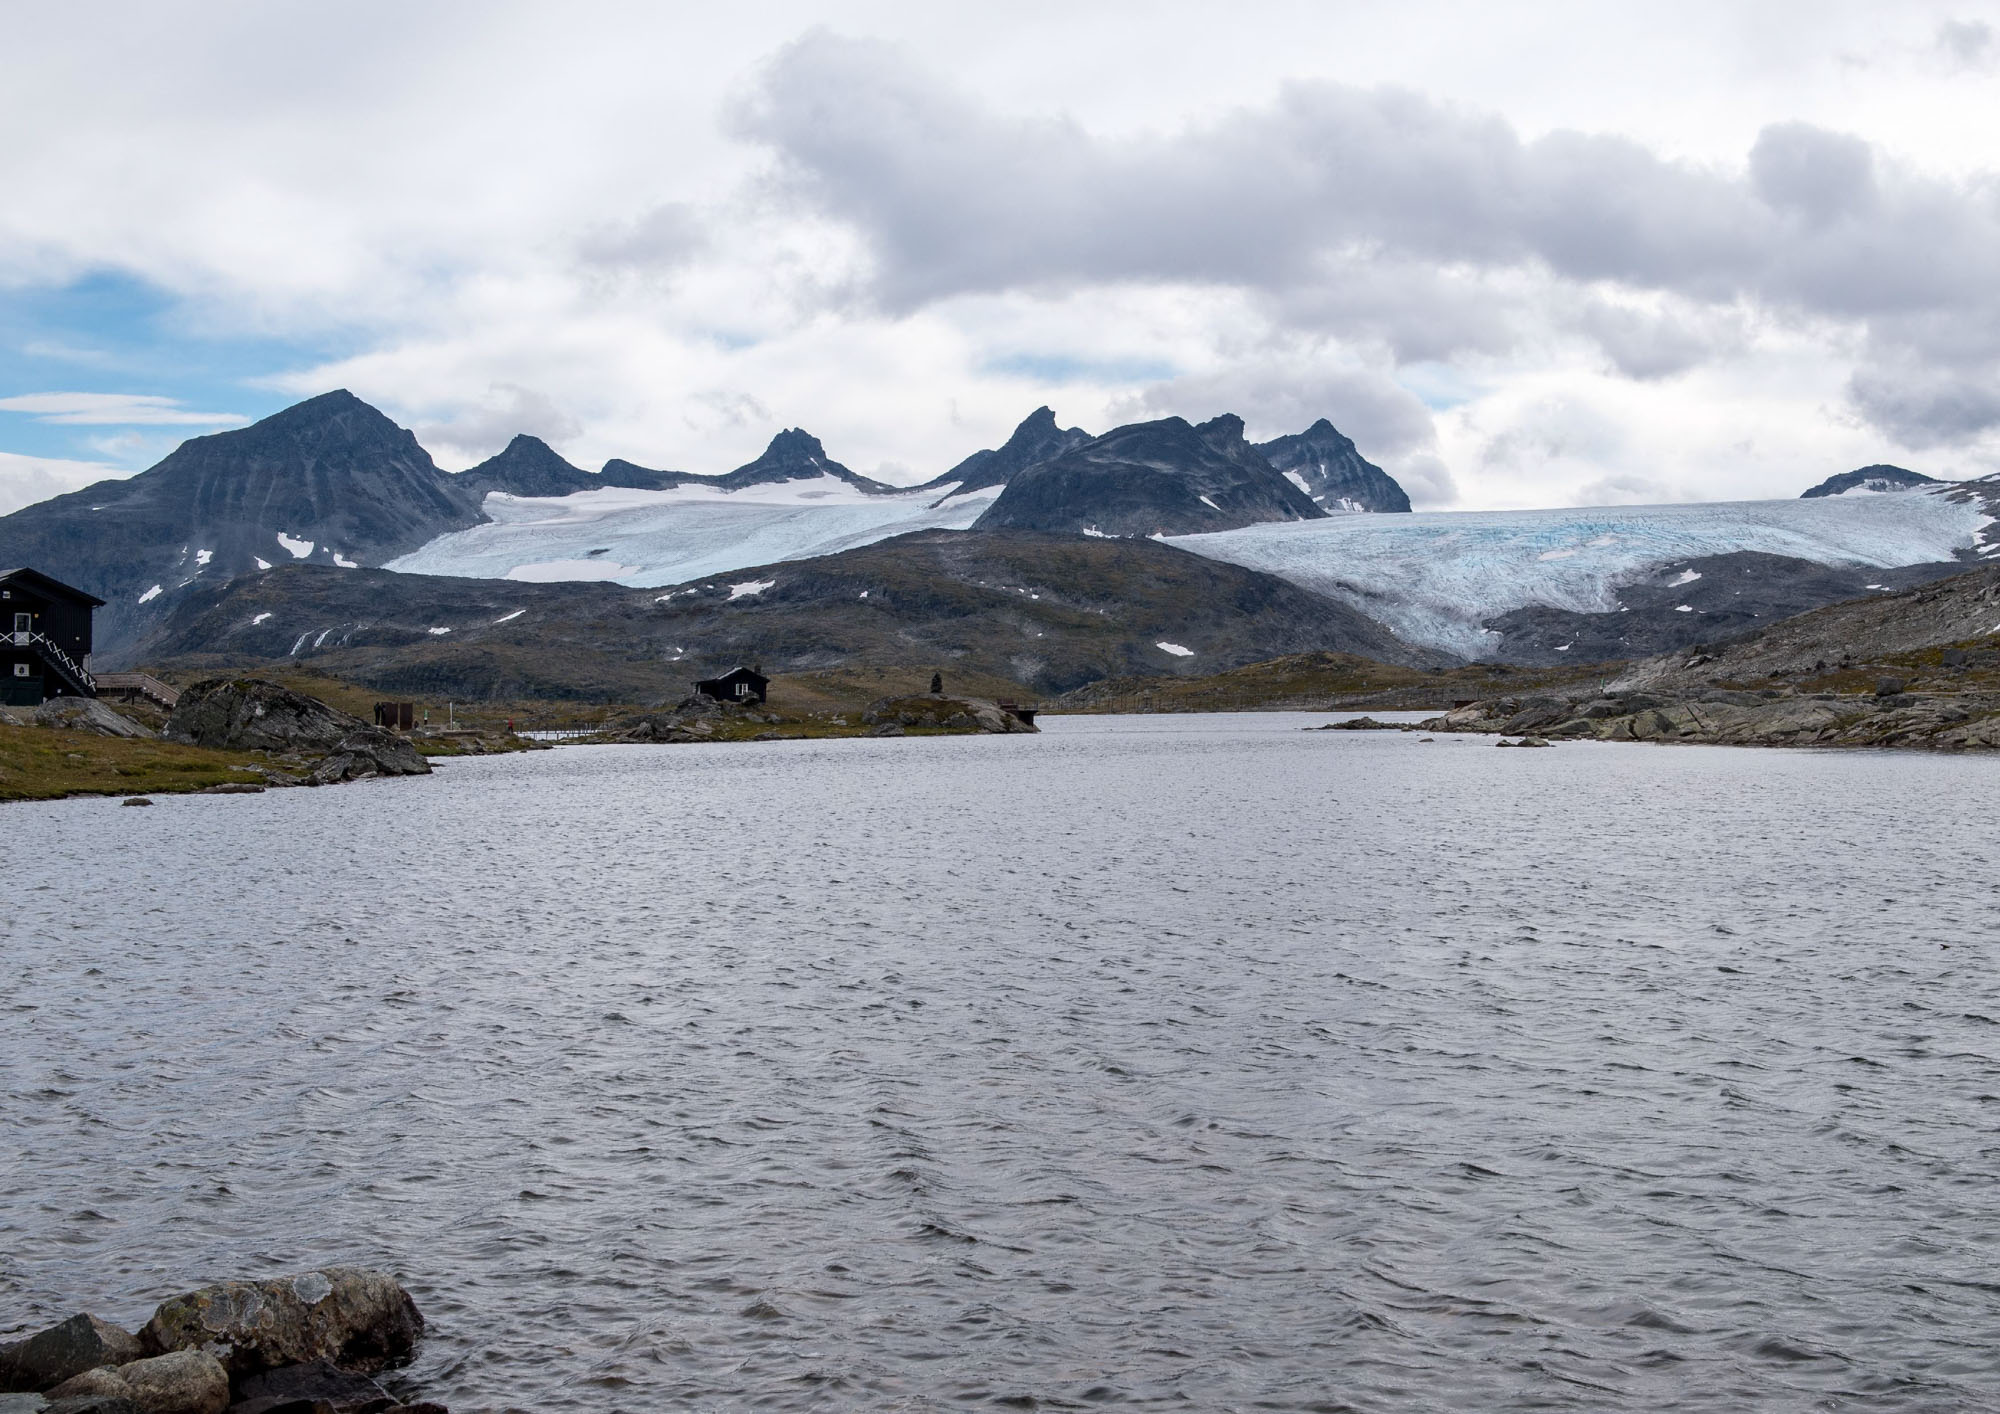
44, 639
743, 685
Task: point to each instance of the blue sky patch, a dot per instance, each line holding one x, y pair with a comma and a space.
133, 346
1061, 368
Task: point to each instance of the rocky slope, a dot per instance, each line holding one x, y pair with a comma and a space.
1048, 612
329, 481
1151, 478
1328, 467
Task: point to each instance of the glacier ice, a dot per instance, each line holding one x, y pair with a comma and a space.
648, 538
1434, 577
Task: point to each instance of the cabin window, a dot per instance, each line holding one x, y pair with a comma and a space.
23, 670
24, 623
743, 689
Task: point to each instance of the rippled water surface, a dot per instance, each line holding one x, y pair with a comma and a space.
1184, 1062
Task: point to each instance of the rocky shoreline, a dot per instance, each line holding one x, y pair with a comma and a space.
1891, 717
312, 1343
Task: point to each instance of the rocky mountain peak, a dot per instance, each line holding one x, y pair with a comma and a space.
795, 455
1036, 440
1324, 463
1165, 477
527, 466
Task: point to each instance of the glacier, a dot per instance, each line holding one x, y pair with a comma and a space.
1435, 577
650, 538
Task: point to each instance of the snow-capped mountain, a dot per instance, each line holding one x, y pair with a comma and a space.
528, 466
1870, 480
1325, 464
1437, 578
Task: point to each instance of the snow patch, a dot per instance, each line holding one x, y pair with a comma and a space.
344, 562
1298, 481
260, 618
262, 563
1210, 504
508, 618
433, 632
656, 538
1094, 533
202, 557
150, 595
748, 588
299, 548
1684, 608
1686, 577
1174, 648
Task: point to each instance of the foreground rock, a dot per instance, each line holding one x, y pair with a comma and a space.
952, 714
250, 714
49, 1357
183, 1382
304, 1344
86, 714
1723, 717
358, 1319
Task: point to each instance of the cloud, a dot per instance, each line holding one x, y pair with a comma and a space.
115, 409
1364, 212
484, 427
25, 480
1966, 44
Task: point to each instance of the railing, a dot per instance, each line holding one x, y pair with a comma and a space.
144, 684
52, 651
556, 733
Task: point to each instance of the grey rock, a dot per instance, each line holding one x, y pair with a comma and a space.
92, 1404
314, 1380
86, 714
22, 1404
370, 751
135, 800
250, 714
359, 1319
48, 1357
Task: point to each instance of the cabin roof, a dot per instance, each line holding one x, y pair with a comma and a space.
735, 673
37, 580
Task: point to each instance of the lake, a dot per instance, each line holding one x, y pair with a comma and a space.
1184, 1062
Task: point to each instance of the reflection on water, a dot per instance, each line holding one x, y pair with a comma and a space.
1194, 1062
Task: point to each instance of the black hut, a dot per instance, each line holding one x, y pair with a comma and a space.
44, 639
743, 685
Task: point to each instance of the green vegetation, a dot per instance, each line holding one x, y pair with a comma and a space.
43, 763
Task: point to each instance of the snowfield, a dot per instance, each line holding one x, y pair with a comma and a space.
1435, 577
647, 538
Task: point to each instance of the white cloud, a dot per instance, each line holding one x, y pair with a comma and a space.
1715, 228
115, 409
25, 480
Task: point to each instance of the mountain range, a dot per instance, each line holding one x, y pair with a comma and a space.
1246, 548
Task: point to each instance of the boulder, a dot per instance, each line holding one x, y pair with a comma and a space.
316, 1381
370, 751
47, 1358
964, 714
86, 714
250, 714
184, 1382
91, 1404
1358, 724
359, 1320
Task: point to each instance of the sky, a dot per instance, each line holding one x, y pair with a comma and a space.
1527, 255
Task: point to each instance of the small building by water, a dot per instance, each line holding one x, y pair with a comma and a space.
44, 639
741, 685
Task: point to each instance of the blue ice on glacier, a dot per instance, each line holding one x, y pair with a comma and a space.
1434, 577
